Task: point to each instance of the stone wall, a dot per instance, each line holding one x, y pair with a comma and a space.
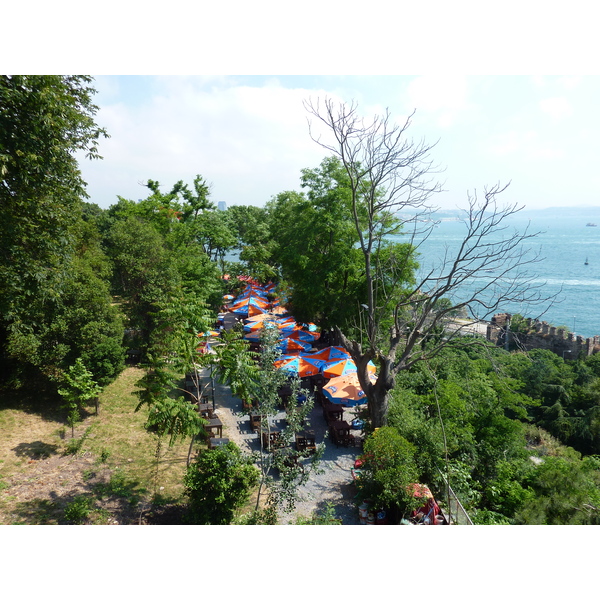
541, 334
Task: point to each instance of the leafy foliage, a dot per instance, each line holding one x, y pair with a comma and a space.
389, 470
315, 246
44, 122
217, 483
77, 389
79, 509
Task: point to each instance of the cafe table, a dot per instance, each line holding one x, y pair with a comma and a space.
340, 432
204, 409
214, 424
306, 440
341, 426
333, 412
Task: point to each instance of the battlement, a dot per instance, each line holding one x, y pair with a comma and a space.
540, 334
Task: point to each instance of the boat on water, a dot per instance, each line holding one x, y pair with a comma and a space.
591, 225
586, 261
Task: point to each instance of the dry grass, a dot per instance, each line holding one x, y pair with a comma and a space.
38, 480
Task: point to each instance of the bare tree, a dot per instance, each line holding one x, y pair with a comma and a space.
391, 179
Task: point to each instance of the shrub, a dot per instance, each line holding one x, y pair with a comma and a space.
79, 510
388, 471
217, 484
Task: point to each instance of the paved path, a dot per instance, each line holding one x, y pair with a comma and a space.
333, 484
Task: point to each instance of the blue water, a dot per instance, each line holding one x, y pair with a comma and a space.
565, 242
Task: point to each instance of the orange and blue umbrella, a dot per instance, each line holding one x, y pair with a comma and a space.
249, 307
289, 345
253, 336
345, 366
258, 325
331, 353
302, 366
301, 334
346, 390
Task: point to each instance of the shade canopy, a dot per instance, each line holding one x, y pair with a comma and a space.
331, 352
346, 390
289, 345
303, 366
301, 334
344, 366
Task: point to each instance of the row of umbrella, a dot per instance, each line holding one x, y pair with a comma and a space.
299, 358
333, 362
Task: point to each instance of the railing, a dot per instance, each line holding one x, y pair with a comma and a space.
456, 515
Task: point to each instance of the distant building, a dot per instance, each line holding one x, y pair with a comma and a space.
222, 205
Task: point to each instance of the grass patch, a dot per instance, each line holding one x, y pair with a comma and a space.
120, 486
115, 439
120, 440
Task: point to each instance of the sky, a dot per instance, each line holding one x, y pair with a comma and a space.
507, 93
248, 136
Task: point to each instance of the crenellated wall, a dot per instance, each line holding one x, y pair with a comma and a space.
541, 334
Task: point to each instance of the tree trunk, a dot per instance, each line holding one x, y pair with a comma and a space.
378, 407
189, 456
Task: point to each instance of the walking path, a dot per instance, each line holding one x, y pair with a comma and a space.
333, 482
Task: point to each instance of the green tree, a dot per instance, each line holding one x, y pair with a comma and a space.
78, 388
254, 243
144, 274
174, 343
257, 382
45, 121
218, 483
566, 493
389, 471
316, 246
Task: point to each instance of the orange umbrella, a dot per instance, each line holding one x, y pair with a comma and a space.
346, 390
303, 334
289, 345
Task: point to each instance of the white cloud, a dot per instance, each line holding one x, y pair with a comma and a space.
250, 142
557, 108
570, 83
444, 95
523, 145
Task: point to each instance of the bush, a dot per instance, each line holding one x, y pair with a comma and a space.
217, 484
79, 510
388, 470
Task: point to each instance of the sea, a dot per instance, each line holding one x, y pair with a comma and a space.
567, 239
568, 242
